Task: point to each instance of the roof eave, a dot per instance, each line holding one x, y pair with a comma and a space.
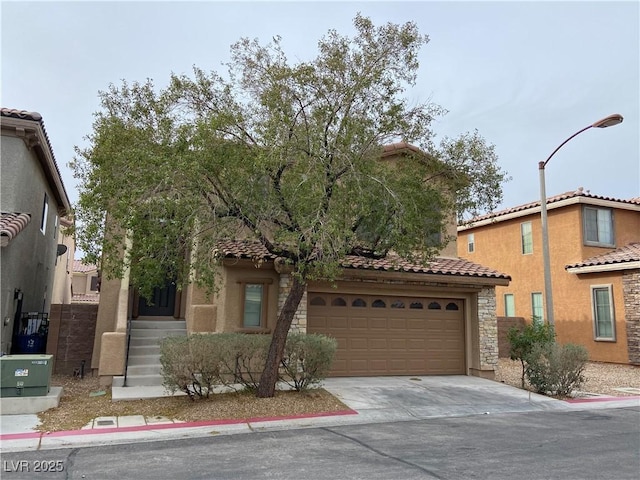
535, 210
609, 267
370, 273
25, 128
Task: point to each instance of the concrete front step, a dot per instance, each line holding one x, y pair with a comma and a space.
134, 370
159, 325
144, 360
145, 342
135, 350
148, 380
156, 332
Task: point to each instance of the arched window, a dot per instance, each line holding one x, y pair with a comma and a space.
452, 306
378, 304
358, 302
416, 305
397, 304
434, 306
317, 301
338, 302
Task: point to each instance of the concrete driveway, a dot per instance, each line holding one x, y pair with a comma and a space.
379, 399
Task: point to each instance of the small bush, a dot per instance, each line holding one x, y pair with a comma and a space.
556, 370
190, 364
197, 363
523, 340
307, 359
243, 358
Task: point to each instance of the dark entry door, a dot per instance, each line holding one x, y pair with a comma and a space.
162, 302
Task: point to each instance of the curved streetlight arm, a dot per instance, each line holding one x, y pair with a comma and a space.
544, 164
610, 121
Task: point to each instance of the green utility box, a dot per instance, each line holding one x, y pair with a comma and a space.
25, 375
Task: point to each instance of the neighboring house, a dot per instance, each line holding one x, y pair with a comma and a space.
32, 199
594, 244
63, 273
390, 318
86, 283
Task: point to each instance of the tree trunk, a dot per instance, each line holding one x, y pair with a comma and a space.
269, 378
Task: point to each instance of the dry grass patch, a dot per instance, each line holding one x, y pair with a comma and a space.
77, 407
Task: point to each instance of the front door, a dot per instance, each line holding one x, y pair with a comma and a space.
162, 302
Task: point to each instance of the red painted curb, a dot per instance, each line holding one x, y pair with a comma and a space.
166, 426
601, 399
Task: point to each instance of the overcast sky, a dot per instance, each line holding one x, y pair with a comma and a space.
527, 75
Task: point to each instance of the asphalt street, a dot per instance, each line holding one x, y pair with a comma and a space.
589, 444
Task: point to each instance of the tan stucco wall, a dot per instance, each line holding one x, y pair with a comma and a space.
61, 292
498, 246
230, 306
106, 321
577, 323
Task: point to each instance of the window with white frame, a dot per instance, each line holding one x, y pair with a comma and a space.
603, 314
45, 214
526, 235
509, 305
471, 243
598, 226
537, 309
253, 305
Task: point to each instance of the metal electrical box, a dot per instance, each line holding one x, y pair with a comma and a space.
25, 375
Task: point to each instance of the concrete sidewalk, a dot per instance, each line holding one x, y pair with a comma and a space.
369, 400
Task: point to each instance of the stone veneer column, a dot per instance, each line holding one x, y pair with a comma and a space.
299, 323
631, 295
488, 329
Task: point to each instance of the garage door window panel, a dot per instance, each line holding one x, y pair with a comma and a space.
358, 302
319, 301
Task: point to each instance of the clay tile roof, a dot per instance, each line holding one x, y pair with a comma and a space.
556, 198
442, 266
80, 267
244, 249
628, 253
11, 224
22, 114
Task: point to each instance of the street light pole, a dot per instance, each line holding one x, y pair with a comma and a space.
609, 121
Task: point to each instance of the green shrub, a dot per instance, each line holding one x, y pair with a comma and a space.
523, 340
197, 363
190, 364
556, 370
307, 359
243, 358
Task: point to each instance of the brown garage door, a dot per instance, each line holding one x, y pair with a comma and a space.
380, 335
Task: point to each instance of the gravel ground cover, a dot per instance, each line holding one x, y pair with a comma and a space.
601, 378
80, 404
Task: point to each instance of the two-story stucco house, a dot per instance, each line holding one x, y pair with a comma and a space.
389, 318
594, 244
32, 199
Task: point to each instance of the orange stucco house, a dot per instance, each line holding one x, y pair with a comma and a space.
390, 317
594, 244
